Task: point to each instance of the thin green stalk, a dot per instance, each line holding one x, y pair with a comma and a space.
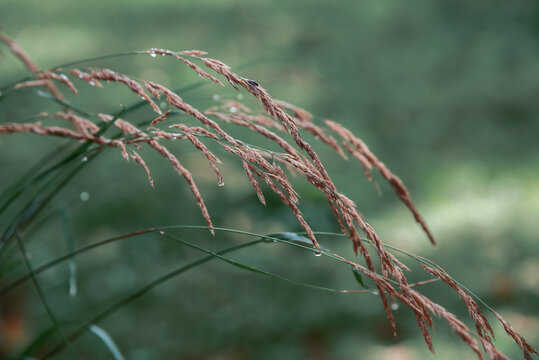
46, 305
120, 304
70, 255
247, 267
418, 258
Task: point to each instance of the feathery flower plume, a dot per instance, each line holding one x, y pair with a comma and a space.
298, 156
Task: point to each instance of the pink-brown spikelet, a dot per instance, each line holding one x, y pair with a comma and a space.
60, 78
197, 69
187, 176
31, 83
30, 64
80, 124
86, 77
20, 53
160, 118
135, 156
521, 342
254, 183
109, 75
212, 159
395, 182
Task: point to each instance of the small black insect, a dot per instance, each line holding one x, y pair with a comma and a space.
252, 82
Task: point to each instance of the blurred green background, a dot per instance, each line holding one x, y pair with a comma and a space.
445, 93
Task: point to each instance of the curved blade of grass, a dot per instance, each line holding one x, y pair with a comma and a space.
68, 234
64, 104
263, 238
293, 237
420, 259
8, 267
38, 341
247, 267
21, 184
107, 340
68, 256
43, 196
359, 278
123, 302
46, 305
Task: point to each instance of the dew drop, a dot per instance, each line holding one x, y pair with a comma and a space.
394, 306
375, 292
233, 109
91, 82
163, 105
162, 232
215, 97
84, 196
240, 96
84, 159
152, 54
317, 252
221, 183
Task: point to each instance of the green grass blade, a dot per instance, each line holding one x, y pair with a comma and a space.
68, 234
42, 297
68, 256
125, 301
248, 267
107, 340
37, 343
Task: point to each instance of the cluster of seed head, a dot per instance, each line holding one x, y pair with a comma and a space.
282, 124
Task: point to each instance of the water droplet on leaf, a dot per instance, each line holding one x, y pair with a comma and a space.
84, 196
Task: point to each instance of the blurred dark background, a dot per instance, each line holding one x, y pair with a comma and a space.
443, 92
